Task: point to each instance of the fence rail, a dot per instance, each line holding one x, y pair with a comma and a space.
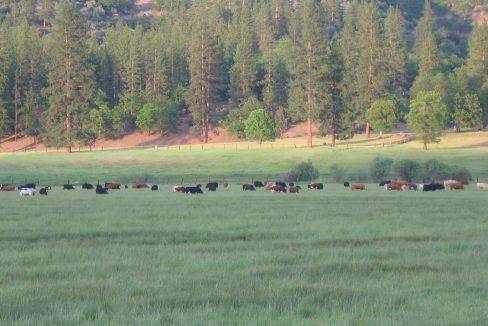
234, 146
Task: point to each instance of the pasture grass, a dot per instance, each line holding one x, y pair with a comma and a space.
320, 257
170, 166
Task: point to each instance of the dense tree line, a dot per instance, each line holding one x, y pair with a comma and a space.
342, 65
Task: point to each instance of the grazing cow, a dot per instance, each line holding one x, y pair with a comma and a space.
154, 188
179, 189
139, 185
464, 182
27, 186
43, 191
409, 186
268, 185
433, 187
358, 186
294, 189
316, 186
99, 190
347, 184
447, 183
112, 186
194, 190
248, 187
280, 183
126, 186
278, 188
393, 186
482, 185
258, 184
27, 192
87, 186
456, 186
7, 187
385, 182
212, 186
68, 187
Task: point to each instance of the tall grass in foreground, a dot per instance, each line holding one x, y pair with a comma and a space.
331, 257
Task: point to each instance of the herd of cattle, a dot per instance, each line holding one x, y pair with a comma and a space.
29, 189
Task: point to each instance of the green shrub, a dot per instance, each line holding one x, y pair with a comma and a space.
337, 173
304, 171
460, 173
407, 170
380, 168
433, 170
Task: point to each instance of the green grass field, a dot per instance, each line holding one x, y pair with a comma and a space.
330, 257
327, 258
170, 166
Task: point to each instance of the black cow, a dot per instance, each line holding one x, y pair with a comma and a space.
385, 182
99, 190
248, 187
258, 184
28, 186
347, 184
316, 186
194, 190
281, 184
87, 186
126, 186
68, 187
43, 191
154, 188
433, 187
212, 186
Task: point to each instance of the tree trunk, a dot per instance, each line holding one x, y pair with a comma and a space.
334, 137
425, 145
368, 129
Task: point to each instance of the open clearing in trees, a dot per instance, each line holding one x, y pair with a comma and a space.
232, 257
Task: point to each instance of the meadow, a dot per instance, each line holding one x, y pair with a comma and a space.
318, 257
273, 160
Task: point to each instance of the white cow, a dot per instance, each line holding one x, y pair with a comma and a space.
482, 185
27, 192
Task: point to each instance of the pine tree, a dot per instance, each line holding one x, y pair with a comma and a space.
154, 65
396, 51
205, 75
371, 72
310, 85
478, 51
349, 53
243, 73
70, 77
425, 41
6, 77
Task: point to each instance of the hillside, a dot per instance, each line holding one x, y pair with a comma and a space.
138, 75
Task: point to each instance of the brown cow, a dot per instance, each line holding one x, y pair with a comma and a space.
294, 189
112, 186
456, 186
139, 185
7, 187
393, 186
358, 186
179, 189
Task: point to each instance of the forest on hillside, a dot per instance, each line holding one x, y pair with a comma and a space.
72, 71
